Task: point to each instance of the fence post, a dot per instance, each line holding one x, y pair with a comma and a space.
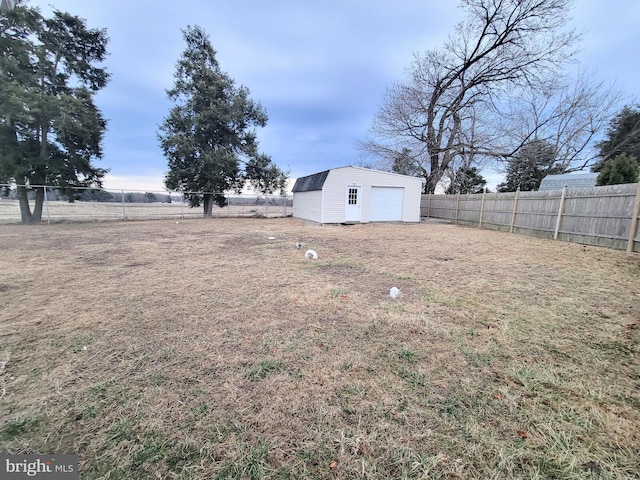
124, 210
457, 206
634, 221
482, 207
515, 209
428, 205
560, 211
46, 205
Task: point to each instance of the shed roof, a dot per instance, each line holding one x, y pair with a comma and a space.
571, 180
310, 182
316, 181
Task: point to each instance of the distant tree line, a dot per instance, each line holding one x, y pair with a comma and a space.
90, 195
101, 195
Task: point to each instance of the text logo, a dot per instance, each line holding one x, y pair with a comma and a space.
50, 467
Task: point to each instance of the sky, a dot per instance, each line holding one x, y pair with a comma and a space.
319, 69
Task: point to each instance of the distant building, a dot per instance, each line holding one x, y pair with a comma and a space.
570, 180
7, 4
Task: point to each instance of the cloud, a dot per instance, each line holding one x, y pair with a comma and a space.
319, 68
151, 182
493, 179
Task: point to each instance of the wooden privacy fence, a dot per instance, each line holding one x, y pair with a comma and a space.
604, 216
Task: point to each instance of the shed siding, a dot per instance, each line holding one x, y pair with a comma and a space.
328, 205
308, 205
335, 193
335, 188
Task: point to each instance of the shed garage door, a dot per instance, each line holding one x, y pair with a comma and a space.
386, 204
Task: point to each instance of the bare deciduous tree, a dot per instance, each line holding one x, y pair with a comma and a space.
455, 96
569, 113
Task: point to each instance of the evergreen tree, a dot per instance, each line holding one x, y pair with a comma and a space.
210, 129
50, 128
534, 161
621, 169
265, 176
405, 164
623, 136
467, 179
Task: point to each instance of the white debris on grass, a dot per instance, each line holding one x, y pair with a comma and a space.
394, 292
298, 245
311, 254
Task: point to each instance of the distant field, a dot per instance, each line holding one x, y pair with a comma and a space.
61, 211
208, 350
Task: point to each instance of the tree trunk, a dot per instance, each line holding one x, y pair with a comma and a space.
25, 209
208, 205
432, 181
428, 187
37, 209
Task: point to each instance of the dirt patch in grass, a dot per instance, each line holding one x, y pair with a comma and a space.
214, 349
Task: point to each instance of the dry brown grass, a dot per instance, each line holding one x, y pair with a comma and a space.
205, 350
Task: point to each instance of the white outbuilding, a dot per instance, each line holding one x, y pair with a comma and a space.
357, 195
571, 180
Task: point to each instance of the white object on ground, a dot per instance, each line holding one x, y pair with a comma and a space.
271, 238
394, 292
311, 254
298, 245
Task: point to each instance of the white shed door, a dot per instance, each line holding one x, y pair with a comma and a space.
386, 204
352, 204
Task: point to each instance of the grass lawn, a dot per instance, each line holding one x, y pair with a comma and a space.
205, 349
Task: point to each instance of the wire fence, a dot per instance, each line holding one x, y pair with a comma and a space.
605, 216
85, 204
